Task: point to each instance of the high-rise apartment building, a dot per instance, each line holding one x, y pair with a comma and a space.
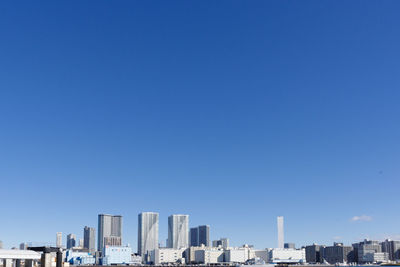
71, 241
89, 238
147, 232
178, 231
109, 226
59, 240
194, 237
204, 235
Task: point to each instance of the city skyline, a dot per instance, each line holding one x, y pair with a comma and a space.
231, 112
203, 236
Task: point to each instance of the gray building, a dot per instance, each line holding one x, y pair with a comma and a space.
109, 226
178, 231
392, 248
289, 245
223, 242
365, 250
59, 240
313, 253
337, 253
89, 238
194, 237
23, 246
147, 233
204, 235
71, 241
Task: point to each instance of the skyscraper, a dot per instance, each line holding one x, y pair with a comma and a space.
109, 226
89, 238
59, 240
204, 235
280, 232
71, 241
178, 231
147, 232
194, 237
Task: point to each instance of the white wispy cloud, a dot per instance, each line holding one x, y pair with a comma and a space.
362, 218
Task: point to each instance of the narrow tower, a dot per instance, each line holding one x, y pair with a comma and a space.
280, 232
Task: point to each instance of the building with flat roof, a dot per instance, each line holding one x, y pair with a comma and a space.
71, 241
116, 255
204, 235
108, 226
338, 253
147, 233
167, 256
59, 240
287, 255
194, 237
178, 231
89, 238
313, 253
281, 237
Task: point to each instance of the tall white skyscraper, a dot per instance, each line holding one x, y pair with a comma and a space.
281, 237
110, 226
59, 240
147, 232
178, 231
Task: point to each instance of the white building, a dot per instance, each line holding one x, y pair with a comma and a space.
147, 233
238, 255
209, 255
376, 257
167, 255
59, 240
281, 238
178, 231
190, 254
287, 255
117, 255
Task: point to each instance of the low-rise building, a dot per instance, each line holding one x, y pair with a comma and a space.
167, 255
313, 253
287, 255
366, 249
338, 253
237, 255
209, 256
79, 257
393, 248
116, 255
262, 254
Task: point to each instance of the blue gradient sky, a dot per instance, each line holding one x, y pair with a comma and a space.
234, 112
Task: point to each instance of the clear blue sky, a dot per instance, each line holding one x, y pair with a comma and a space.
234, 112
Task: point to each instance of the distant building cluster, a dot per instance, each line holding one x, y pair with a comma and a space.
187, 245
